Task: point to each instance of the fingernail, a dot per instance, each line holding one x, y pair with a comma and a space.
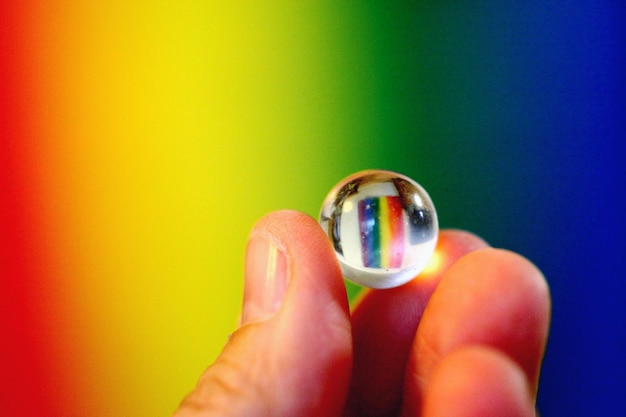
266, 279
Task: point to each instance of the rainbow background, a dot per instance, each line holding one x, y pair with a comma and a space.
141, 140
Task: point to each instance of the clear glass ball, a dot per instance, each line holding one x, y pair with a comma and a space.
383, 226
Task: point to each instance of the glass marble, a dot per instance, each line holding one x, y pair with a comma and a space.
383, 227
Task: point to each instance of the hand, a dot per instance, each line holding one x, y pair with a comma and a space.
466, 338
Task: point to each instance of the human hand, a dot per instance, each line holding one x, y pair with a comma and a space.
466, 338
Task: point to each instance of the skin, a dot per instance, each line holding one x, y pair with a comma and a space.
465, 338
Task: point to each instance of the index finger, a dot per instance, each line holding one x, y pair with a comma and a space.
492, 298
384, 324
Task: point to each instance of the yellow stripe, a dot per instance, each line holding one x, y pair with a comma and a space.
385, 232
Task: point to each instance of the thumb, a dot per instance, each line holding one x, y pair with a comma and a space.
292, 355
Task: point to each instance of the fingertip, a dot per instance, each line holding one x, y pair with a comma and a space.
311, 255
478, 381
513, 286
384, 324
312, 328
462, 240
493, 297
314, 318
512, 266
452, 245
290, 356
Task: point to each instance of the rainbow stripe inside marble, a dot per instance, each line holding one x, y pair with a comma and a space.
381, 225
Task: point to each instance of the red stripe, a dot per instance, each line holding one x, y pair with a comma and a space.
396, 223
25, 380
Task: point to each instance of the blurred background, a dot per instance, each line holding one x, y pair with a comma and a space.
140, 141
